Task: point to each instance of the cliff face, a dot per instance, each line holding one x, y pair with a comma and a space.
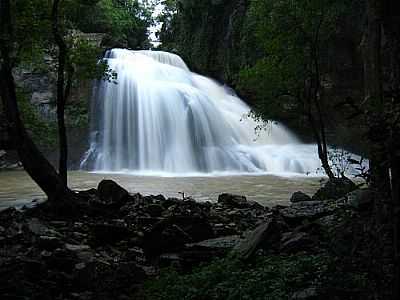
36, 89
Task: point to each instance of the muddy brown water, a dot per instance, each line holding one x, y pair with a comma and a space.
18, 189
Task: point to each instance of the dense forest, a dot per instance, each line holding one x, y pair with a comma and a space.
327, 69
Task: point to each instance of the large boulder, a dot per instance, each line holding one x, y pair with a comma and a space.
299, 196
112, 193
233, 200
334, 189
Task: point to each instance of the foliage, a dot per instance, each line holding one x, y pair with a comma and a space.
269, 277
291, 34
125, 22
198, 31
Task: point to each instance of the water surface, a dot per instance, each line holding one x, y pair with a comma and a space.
17, 189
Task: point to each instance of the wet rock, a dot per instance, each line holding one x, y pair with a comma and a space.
111, 192
233, 200
335, 189
299, 197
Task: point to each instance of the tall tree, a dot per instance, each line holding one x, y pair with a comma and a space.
62, 90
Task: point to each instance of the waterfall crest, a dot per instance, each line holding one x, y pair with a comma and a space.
160, 118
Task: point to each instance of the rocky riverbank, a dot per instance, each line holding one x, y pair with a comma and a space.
120, 240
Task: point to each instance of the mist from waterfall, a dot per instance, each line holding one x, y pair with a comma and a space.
162, 119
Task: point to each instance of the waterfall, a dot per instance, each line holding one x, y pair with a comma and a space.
160, 118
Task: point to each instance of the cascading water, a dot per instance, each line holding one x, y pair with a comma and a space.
160, 118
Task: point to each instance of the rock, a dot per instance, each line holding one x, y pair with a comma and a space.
307, 294
263, 236
111, 192
164, 238
37, 227
299, 197
104, 233
310, 210
42, 97
76, 248
233, 200
294, 242
154, 210
335, 189
224, 243
49, 243
84, 274
64, 260
174, 232
147, 221
360, 199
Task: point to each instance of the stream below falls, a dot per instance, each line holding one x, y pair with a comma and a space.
17, 189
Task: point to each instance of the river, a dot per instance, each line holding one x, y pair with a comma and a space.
17, 189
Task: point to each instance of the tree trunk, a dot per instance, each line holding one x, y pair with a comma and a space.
61, 94
36, 165
373, 93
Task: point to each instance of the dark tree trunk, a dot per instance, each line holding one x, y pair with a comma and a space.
37, 166
61, 94
373, 93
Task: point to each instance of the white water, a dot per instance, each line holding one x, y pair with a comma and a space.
163, 119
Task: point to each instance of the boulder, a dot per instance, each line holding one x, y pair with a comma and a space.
164, 238
265, 235
299, 197
297, 212
173, 233
335, 189
111, 192
233, 200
